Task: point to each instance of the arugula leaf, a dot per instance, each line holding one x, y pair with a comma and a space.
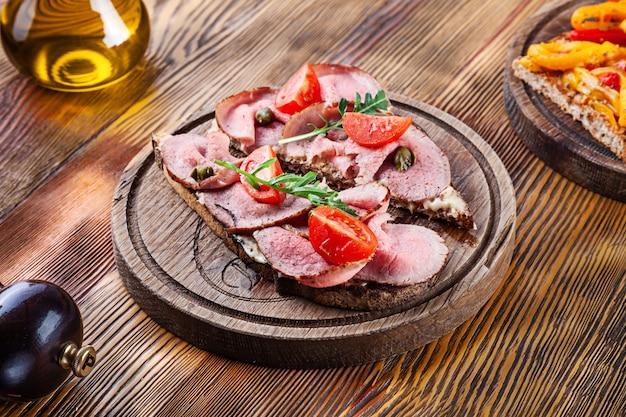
372, 105
306, 186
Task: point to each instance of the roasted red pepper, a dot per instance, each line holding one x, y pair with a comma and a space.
615, 36
611, 80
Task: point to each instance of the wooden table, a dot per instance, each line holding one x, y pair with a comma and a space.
550, 341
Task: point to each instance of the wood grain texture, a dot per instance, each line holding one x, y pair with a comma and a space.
550, 133
188, 281
38, 134
550, 341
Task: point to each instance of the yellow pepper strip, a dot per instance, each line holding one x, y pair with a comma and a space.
603, 16
620, 53
594, 88
567, 55
570, 80
605, 111
609, 102
621, 117
621, 106
606, 70
530, 65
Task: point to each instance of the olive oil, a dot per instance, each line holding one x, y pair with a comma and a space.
75, 45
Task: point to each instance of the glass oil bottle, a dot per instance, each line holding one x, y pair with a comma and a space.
75, 45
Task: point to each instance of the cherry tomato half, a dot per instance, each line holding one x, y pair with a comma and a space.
265, 194
372, 130
300, 91
338, 237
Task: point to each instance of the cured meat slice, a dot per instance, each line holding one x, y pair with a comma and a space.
406, 254
344, 81
292, 255
315, 115
408, 257
180, 154
333, 154
344, 160
239, 213
235, 116
266, 135
366, 199
426, 178
426, 186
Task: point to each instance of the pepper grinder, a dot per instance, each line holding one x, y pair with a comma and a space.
41, 333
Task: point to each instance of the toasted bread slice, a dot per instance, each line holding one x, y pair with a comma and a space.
354, 295
577, 105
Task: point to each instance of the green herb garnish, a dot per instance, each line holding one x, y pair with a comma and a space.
306, 186
371, 105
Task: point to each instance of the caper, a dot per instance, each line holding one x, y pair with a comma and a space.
201, 172
264, 116
403, 158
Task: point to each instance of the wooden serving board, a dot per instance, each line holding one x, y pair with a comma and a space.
552, 135
184, 277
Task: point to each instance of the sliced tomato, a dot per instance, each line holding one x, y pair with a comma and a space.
372, 130
265, 194
302, 90
338, 237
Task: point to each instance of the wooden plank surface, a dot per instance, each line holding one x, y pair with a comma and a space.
550, 341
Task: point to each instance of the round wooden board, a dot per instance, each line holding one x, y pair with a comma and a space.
552, 135
184, 277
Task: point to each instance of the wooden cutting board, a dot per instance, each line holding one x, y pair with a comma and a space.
549, 133
184, 277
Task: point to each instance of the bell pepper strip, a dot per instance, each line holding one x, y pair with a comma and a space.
616, 36
562, 56
591, 86
530, 65
611, 76
605, 111
615, 78
611, 80
603, 16
621, 116
609, 101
